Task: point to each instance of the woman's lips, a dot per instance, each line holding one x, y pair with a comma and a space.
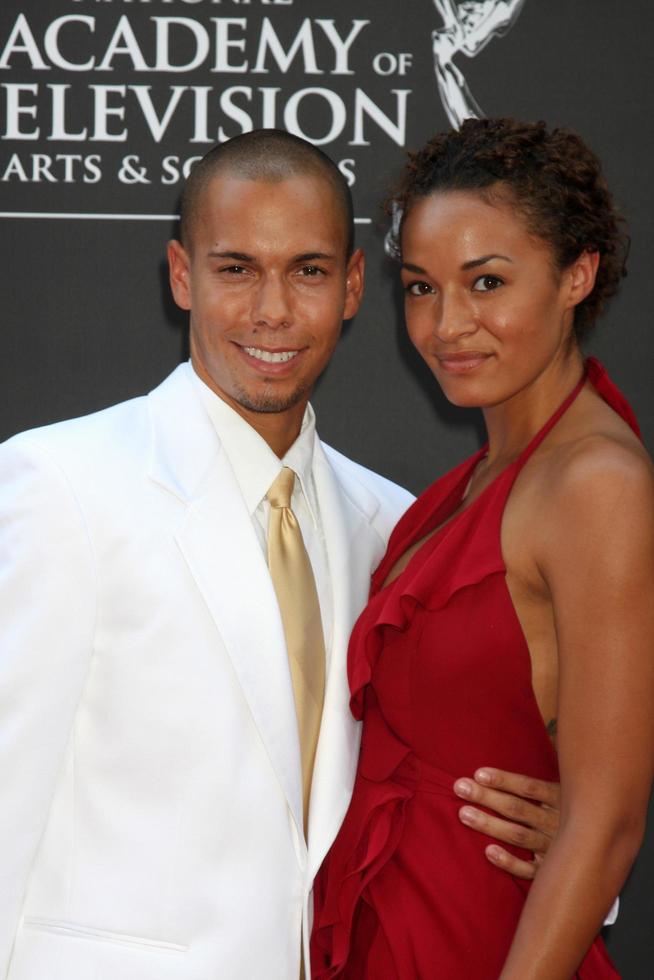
462, 362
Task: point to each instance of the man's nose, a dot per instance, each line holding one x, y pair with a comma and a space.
272, 304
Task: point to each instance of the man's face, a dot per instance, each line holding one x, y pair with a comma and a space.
268, 285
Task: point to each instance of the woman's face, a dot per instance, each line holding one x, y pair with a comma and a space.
485, 305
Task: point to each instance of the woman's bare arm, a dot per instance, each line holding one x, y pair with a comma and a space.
596, 555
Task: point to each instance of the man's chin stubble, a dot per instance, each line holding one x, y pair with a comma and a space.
269, 402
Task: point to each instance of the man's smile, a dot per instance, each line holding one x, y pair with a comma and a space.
271, 357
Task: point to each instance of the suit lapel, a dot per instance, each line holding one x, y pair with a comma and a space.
219, 544
224, 556
353, 549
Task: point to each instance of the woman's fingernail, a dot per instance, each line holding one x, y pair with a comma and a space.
463, 787
483, 776
468, 815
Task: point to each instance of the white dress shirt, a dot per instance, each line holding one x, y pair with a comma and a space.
256, 467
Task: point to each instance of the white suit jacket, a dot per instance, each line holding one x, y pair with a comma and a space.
150, 788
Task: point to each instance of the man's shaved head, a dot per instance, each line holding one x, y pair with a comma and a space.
268, 155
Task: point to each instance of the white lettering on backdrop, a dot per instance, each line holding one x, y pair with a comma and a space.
162, 75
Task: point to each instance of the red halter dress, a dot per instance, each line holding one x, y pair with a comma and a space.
440, 674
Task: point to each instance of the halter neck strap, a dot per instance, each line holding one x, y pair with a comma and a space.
611, 394
533, 445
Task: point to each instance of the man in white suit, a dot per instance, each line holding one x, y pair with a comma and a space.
151, 824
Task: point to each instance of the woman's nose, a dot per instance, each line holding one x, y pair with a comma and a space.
455, 317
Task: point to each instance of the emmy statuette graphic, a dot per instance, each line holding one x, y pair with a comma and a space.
467, 28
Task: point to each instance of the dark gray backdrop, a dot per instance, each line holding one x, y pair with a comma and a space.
87, 319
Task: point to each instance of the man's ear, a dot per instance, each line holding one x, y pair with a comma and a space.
179, 267
354, 282
581, 276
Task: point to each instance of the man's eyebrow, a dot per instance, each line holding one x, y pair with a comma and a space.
473, 263
244, 257
237, 256
311, 256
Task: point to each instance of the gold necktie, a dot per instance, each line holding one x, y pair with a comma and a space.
295, 587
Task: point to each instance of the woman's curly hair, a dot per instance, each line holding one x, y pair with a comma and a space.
553, 179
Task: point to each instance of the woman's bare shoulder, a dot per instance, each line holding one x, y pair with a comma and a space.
598, 458
599, 481
592, 477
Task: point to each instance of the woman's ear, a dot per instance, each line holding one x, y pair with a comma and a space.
581, 276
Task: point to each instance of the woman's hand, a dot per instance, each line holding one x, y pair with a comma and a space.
526, 814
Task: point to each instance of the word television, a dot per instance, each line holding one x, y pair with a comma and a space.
106, 110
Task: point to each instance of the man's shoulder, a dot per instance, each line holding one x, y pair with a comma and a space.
390, 495
109, 462
89, 440
118, 430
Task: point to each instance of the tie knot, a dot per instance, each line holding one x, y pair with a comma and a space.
280, 492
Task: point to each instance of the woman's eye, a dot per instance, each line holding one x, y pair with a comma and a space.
484, 284
418, 288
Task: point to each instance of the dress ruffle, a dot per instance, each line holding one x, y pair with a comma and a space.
386, 782
444, 567
389, 772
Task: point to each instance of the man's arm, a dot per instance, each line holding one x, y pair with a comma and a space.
47, 611
526, 814
529, 814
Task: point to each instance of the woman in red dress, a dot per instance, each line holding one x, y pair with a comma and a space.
512, 616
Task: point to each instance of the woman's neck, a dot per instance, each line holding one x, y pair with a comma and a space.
512, 424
